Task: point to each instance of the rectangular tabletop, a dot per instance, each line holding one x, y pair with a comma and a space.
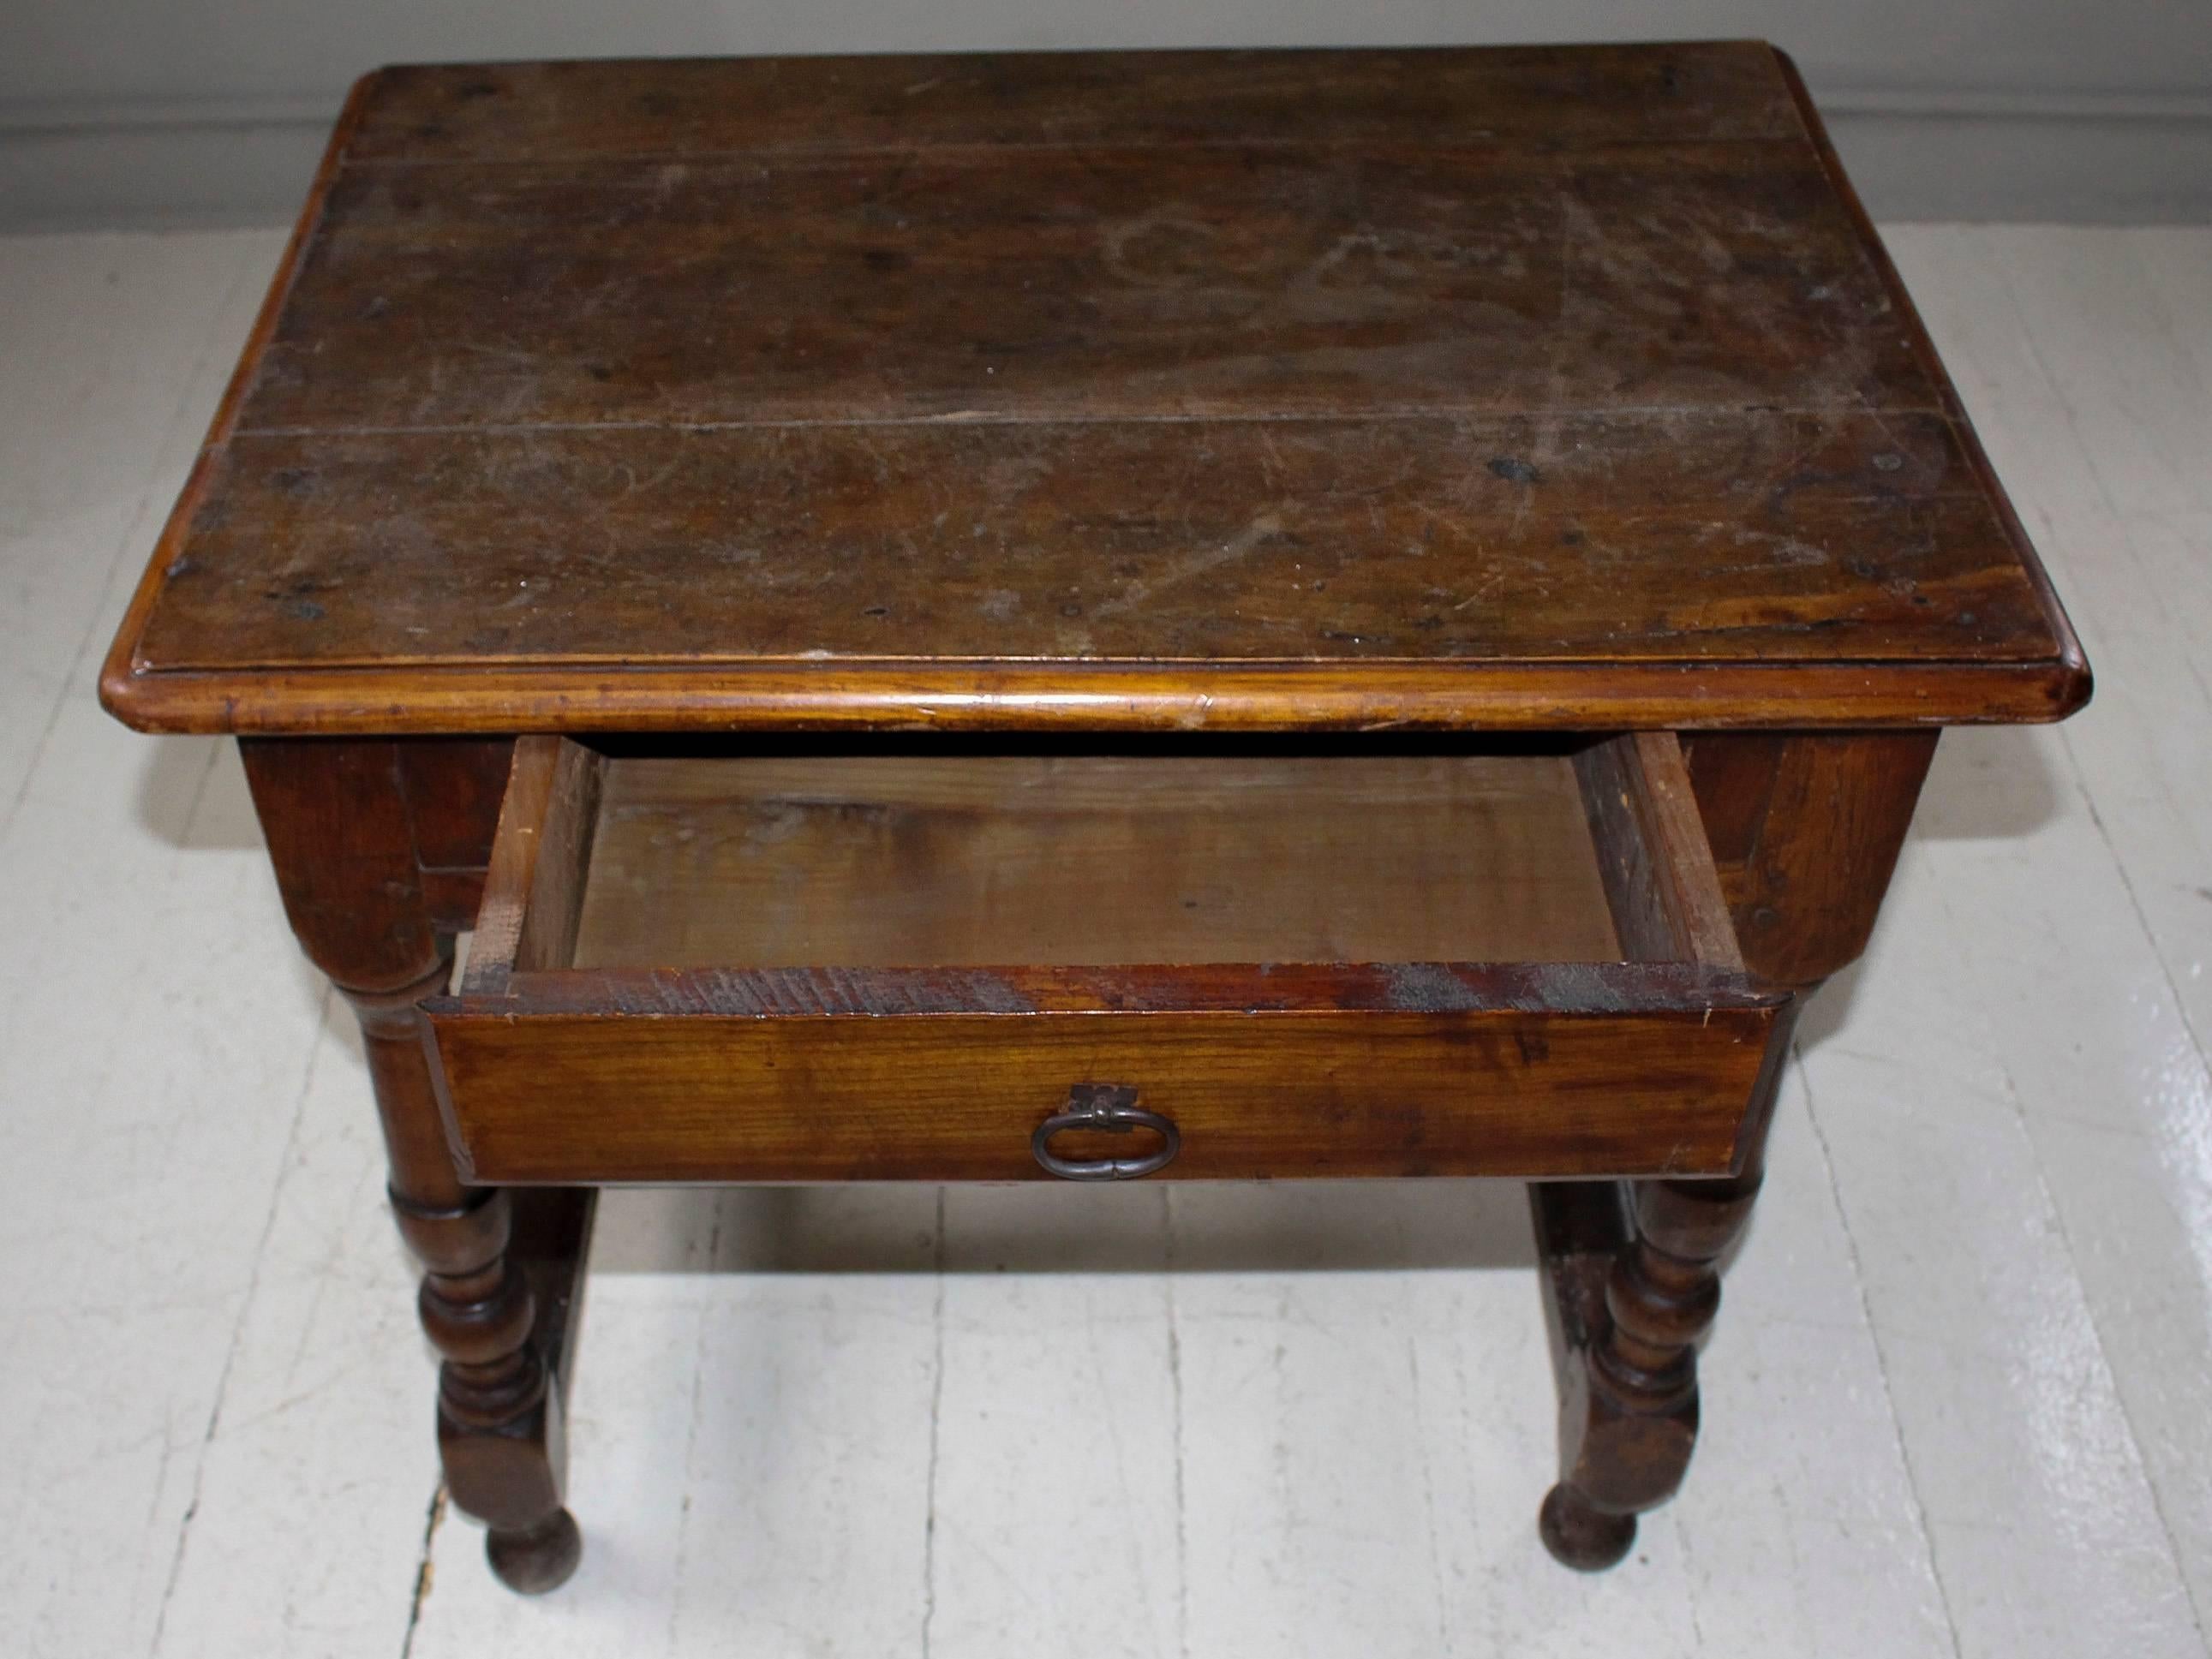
1450, 388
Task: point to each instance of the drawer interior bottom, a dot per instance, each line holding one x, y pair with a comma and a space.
880, 860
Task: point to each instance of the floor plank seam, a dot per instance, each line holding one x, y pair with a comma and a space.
124, 559
199, 799
2055, 383
245, 1309
1444, 1645
2146, 242
1881, 1358
425, 1569
1690, 1577
936, 1415
1174, 1394
2174, 1551
700, 1312
2174, 605
2135, 905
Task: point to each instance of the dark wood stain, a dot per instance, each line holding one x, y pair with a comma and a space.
336, 817
1052, 399
895, 1053
1548, 97
954, 392
1125, 283
1689, 537
1565, 990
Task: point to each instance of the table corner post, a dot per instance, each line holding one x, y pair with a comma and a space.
336, 816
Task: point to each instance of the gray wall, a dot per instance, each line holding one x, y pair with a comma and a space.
167, 112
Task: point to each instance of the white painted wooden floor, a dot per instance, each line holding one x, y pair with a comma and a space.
1959, 1401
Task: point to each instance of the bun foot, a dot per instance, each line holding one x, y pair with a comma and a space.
1580, 1536
540, 1559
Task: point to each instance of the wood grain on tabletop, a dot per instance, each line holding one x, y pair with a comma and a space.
1454, 387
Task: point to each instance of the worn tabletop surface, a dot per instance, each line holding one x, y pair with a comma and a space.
1455, 388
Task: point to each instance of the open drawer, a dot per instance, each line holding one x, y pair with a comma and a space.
695, 967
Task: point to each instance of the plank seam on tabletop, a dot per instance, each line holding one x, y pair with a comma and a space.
1470, 414
936, 1416
1880, 1354
246, 1302
124, 556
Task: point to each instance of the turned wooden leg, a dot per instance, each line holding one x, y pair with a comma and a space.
499, 1420
1632, 1275
1804, 830
1642, 1287
338, 831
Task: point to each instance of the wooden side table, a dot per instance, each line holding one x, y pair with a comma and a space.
1112, 616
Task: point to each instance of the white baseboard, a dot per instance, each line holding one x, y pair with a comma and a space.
2047, 156
2057, 156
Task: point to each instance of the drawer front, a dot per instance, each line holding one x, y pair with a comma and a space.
1393, 1070
601, 1036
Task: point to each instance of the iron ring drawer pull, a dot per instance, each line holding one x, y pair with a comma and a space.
1113, 1108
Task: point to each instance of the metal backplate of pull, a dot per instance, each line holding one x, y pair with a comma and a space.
1111, 1107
